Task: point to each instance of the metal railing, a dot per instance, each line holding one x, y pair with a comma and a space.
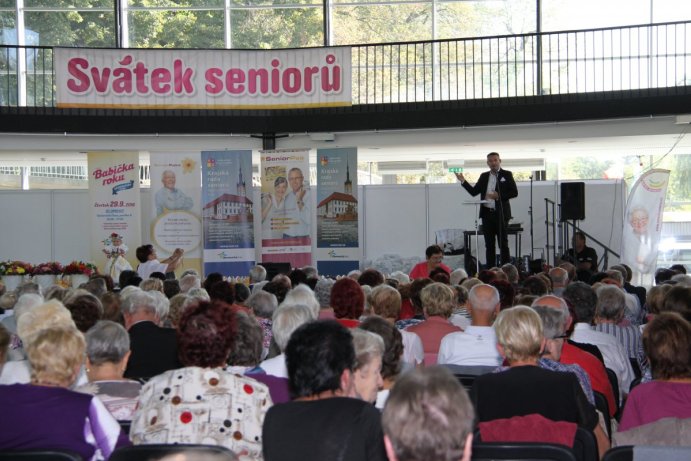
631, 58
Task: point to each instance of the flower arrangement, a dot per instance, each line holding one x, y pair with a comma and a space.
49, 268
80, 267
14, 268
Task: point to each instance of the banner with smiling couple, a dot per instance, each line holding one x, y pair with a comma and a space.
286, 207
338, 238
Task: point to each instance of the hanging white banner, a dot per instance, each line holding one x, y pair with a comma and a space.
643, 221
203, 79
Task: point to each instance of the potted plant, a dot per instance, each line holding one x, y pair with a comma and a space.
79, 272
13, 273
45, 273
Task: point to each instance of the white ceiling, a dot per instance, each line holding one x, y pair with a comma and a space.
599, 138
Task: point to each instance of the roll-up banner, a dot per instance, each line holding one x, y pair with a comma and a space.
228, 212
203, 79
287, 204
176, 206
643, 221
338, 239
115, 215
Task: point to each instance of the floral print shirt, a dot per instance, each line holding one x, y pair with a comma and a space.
205, 406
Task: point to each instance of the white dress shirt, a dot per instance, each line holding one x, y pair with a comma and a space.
616, 357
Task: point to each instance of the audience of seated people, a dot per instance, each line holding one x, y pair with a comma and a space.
525, 388
438, 301
220, 354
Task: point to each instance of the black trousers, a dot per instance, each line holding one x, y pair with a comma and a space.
494, 229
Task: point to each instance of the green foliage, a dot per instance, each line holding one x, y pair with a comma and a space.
680, 180
584, 168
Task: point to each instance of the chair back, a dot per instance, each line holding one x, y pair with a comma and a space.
585, 445
466, 374
40, 455
486, 451
655, 452
614, 381
154, 452
603, 407
624, 453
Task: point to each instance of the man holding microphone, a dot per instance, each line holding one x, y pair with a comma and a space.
497, 187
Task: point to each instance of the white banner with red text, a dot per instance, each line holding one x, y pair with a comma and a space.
115, 210
203, 79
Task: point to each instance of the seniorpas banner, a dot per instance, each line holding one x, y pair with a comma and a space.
203, 79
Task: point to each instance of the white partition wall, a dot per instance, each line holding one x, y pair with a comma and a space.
39, 226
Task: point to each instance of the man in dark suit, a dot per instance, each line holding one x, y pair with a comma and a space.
154, 349
497, 186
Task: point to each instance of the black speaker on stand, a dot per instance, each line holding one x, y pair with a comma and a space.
572, 201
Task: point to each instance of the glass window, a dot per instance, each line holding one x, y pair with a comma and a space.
174, 3
68, 4
592, 14
267, 28
671, 10
382, 23
458, 19
83, 28
8, 28
176, 28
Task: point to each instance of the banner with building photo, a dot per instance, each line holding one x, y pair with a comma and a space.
115, 210
286, 207
338, 240
643, 221
175, 200
228, 212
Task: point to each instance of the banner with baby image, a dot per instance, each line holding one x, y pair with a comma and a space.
228, 212
643, 221
286, 207
115, 216
338, 238
176, 210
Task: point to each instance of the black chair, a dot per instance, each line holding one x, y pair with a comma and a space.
125, 426
636, 368
634, 383
486, 451
614, 381
624, 453
466, 374
40, 455
156, 451
603, 407
584, 446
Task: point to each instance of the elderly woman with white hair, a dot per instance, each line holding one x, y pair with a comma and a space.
533, 390
286, 319
32, 320
609, 313
107, 353
21, 305
263, 304
46, 414
302, 294
369, 349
